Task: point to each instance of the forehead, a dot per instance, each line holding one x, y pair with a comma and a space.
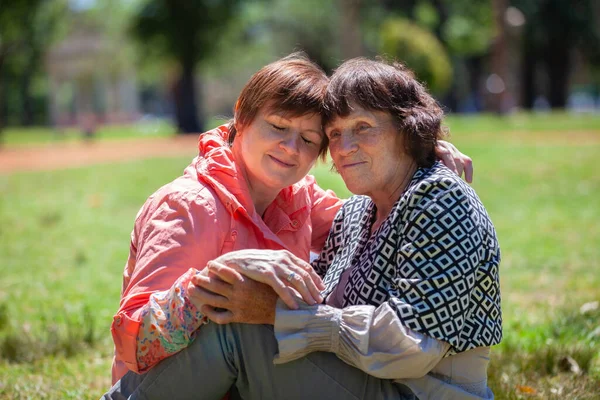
358, 113
286, 111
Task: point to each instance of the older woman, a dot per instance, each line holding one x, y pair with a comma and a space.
411, 272
247, 189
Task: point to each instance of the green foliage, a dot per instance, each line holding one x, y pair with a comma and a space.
310, 25
187, 31
419, 50
27, 30
469, 28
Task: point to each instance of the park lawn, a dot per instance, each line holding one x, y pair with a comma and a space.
465, 125
16, 137
64, 238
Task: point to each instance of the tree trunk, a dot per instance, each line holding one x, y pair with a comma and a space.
558, 64
350, 37
27, 115
185, 102
499, 59
528, 65
449, 100
1, 99
475, 71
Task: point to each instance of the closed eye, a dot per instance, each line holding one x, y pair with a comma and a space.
279, 128
305, 140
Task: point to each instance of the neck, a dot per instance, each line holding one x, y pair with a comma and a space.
385, 199
260, 194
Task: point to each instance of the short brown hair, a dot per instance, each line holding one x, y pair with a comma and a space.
294, 85
393, 88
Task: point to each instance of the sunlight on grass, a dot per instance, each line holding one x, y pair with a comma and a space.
64, 239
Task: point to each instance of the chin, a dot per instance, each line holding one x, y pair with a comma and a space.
356, 189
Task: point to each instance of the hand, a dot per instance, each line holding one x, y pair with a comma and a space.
279, 269
226, 296
454, 159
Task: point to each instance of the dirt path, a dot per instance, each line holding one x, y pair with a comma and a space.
68, 155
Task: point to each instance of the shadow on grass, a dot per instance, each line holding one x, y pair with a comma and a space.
24, 345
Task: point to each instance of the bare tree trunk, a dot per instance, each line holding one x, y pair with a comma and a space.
528, 65
186, 111
499, 61
450, 100
27, 114
350, 28
2, 56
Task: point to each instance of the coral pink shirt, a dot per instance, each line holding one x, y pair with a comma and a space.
190, 221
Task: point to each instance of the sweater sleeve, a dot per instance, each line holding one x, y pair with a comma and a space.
371, 339
173, 239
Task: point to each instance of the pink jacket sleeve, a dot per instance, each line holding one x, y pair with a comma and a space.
173, 238
325, 205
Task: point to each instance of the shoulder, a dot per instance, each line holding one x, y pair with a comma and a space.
183, 196
440, 184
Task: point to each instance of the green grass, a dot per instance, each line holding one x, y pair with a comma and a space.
523, 122
17, 137
64, 238
458, 125
12, 137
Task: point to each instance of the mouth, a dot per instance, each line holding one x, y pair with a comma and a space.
281, 162
353, 164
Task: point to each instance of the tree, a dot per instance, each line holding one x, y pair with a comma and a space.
12, 39
419, 50
465, 30
553, 30
27, 29
186, 32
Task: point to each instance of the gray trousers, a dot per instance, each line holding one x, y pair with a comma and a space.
238, 358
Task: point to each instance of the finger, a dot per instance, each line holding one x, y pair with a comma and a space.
282, 290
468, 169
306, 285
448, 159
313, 274
297, 278
213, 284
459, 162
316, 279
224, 272
220, 317
203, 296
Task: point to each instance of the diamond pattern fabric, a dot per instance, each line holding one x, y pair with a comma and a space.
435, 260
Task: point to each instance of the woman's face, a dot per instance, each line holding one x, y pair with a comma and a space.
367, 151
279, 150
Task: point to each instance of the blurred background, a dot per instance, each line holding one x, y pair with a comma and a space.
89, 63
101, 102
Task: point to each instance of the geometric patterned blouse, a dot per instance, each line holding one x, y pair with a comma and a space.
434, 259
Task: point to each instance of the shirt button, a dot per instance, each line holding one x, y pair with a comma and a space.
233, 234
118, 320
295, 223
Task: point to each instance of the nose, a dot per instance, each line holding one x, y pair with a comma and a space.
290, 143
347, 144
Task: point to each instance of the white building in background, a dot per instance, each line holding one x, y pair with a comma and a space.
89, 82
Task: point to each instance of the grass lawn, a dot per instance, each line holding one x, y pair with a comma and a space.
64, 238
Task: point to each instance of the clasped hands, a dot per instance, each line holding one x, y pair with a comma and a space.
243, 286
